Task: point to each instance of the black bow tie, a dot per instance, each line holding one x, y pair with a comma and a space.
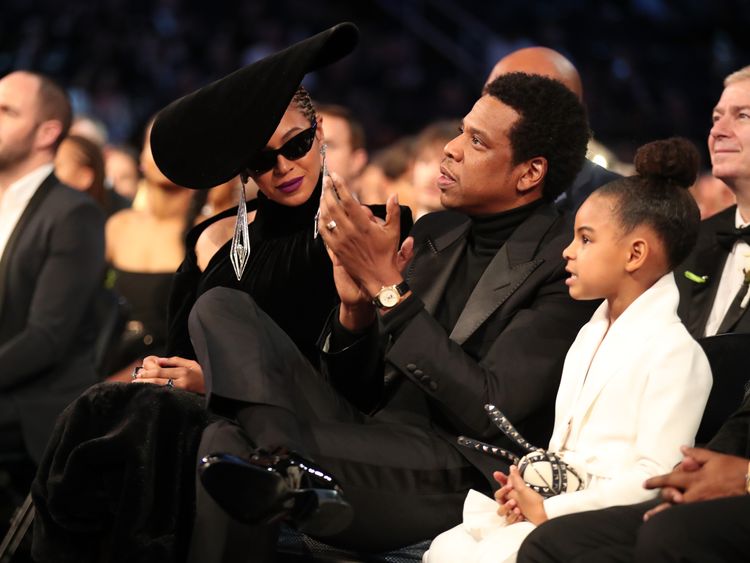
728, 238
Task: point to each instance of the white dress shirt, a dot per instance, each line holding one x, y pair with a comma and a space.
16, 198
731, 279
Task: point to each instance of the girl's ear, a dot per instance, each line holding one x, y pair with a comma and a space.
637, 254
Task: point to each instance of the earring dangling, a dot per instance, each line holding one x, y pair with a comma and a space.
323, 173
240, 249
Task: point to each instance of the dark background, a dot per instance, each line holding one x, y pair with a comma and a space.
650, 68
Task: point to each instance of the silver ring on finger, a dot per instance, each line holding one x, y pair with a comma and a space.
331, 225
170, 383
136, 371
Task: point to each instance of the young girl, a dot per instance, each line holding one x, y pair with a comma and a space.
634, 383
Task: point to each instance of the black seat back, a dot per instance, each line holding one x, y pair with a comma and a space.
729, 356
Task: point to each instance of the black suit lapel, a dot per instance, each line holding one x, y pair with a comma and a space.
703, 295
11, 246
510, 267
743, 323
735, 311
498, 282
427, 275
709, 261
432, 268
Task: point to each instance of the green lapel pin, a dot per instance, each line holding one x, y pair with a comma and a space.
695, 277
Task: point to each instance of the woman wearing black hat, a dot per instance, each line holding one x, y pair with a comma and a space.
254, 123
287, 264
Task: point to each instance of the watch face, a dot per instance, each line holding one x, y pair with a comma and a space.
388, 297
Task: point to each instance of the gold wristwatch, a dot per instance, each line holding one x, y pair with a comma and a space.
390, 295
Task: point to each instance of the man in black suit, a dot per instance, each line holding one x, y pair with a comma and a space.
548, 62
714, 280
51, 263
701, 525
711, 281
480, 315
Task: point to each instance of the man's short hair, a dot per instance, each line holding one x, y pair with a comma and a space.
552, 124
737, 76
54, 104
356, 131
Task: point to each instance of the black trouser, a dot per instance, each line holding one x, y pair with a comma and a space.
405, 482
701, 532
16, 466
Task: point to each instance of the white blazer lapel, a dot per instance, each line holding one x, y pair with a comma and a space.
613, 356
641, 321
577, 363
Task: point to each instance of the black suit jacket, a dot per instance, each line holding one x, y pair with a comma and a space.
507, 348
49, 273
733, 437
707, 259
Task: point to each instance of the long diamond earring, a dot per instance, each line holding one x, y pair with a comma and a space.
323, 173
240, 250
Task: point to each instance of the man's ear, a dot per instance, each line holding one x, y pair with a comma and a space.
638, 251
533, 173
47, 133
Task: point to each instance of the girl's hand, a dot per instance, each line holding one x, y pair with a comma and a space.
530, 503
508, 508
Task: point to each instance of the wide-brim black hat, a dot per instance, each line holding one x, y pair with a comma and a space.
205, 138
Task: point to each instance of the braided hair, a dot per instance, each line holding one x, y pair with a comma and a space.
304, 103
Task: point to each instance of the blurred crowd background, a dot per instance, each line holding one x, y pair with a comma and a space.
650, 68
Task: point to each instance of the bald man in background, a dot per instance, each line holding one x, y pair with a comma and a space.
550, 63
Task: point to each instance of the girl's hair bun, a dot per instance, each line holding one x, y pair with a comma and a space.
675, 160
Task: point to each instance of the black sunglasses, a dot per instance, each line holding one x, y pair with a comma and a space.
295, 148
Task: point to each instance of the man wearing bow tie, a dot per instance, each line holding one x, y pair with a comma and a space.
713, 282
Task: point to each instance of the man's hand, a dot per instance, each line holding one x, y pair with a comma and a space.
703, 475
356, 311
672, 495
366, 248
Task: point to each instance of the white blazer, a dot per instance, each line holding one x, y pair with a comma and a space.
629, 397
623, 411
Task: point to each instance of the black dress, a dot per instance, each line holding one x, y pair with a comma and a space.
288, 274
130, 440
